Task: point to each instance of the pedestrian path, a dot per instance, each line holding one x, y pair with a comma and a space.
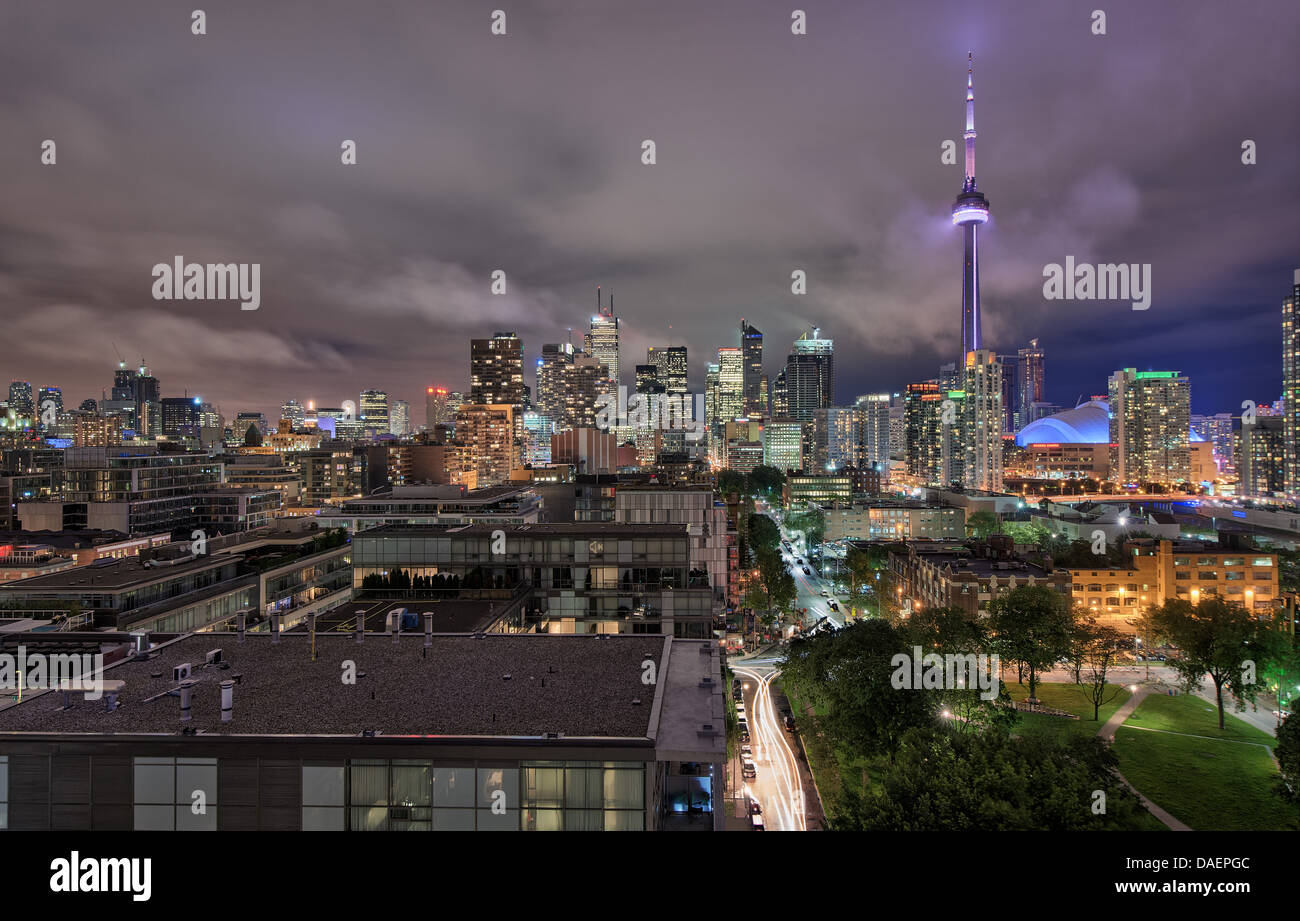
1107, 732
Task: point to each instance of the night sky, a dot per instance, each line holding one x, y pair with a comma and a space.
523, 153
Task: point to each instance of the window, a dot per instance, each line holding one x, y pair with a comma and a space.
323, 797
175, 794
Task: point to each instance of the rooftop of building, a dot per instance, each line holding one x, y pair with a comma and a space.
116, 574
450, 615
560, 528
493, 685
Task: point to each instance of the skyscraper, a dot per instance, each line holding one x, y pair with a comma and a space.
873, 431
293, 411
373, 411
969, 211
671, 364
1030, 371
1150, 417
647, 380
601, 340
148, 404
496, 375
809, 376
981, 418
1291, 384
731, 384
20, 399
399, 418
751, 347
436, 409
922, 414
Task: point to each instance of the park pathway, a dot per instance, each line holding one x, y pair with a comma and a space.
1107, 732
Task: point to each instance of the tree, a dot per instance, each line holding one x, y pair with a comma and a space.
764, 535
767, 480
951, 631
731, 482
1031, 627
1288, 754
849, 672
1219, 638
811, 521
1099, 656
981, 524
993, 781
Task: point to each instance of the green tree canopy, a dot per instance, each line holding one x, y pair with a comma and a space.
1219, 638
1031, 627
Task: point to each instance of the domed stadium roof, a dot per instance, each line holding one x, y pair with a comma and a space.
1087, 423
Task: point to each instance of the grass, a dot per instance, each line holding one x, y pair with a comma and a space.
1194, 716
1211, 785
1068, 697
833, 768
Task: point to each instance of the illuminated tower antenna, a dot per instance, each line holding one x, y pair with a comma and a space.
969, 211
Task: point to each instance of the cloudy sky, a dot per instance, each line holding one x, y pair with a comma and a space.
522, 153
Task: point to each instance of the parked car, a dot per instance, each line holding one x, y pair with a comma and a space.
754, 807
824, 593
789, 723
748, 770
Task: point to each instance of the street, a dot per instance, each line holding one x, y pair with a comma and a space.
779, 784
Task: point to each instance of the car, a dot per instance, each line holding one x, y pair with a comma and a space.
788, 722
833, 606
747, 751
738, 694
807, 571
748, 769
799, 561
824, 593
740, 710
754, 807
757, 823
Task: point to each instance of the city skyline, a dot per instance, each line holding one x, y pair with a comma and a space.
375, 274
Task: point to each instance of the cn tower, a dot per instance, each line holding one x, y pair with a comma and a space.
969, 211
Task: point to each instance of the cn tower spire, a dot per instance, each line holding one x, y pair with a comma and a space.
970, 122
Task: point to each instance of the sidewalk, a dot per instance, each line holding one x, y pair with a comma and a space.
1107, 732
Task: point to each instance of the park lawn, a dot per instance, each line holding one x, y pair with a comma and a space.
1190, 714
1068, 697
1209, 784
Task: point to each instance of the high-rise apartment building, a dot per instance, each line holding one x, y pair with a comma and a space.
488, 447
436, 409
1150, 417
21, 400
873, 431
1291, 385
922, 409
982, 419
496, 375
1262, 461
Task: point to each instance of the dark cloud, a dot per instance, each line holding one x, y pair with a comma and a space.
522, 153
